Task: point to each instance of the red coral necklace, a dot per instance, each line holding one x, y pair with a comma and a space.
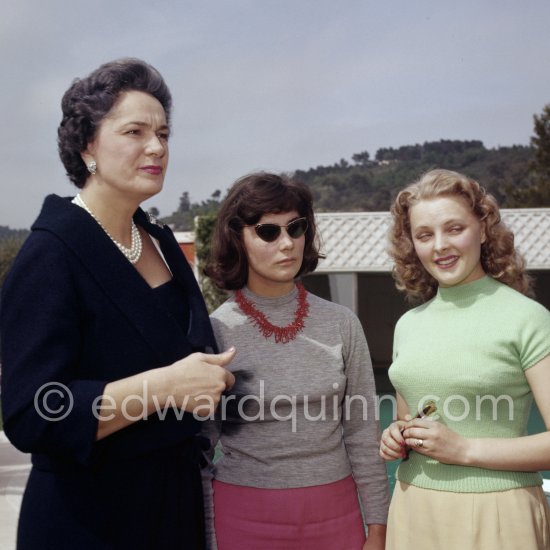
282, 334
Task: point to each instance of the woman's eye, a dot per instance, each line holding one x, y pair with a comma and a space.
164, 136
132, 132
423, 236
456, 229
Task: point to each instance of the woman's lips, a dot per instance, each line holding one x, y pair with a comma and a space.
154, 170
447, 262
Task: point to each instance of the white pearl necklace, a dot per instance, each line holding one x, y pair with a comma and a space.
133, 254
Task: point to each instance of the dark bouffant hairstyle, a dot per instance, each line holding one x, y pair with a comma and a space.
246, 202
89, 99
499, 258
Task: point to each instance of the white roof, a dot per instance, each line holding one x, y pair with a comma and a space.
184, 237
357, 241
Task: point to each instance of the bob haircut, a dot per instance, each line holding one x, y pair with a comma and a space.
499, 258
86, 103
246, 202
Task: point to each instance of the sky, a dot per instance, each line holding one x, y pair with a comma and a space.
275, 85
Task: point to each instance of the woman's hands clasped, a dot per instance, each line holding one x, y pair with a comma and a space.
392, 442
424, 436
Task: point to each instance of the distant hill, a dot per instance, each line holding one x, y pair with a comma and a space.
370, 185
10, 243
7, 233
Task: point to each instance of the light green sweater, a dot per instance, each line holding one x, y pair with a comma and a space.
468, 348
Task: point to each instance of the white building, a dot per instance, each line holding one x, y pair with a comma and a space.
357, 270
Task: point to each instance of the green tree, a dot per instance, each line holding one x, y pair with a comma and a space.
343, 164
185, 202
362, 159
204, 227
183, 218
537, 193
541, 142
9, 247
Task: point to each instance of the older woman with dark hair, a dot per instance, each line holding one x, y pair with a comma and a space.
105, 337
298, 431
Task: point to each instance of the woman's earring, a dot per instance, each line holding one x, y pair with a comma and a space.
92, 167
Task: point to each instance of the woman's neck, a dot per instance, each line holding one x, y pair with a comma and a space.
270, 289
114, 213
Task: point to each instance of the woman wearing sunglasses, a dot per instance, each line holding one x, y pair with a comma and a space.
298, 432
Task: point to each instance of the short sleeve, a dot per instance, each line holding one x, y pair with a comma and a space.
535, 336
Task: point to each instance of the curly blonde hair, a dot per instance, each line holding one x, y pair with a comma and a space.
499, 258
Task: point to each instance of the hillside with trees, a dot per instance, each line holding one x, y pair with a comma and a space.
518, 176
369, 185
10, 243
183, 219
8, 233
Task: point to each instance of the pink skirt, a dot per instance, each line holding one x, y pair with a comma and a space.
323, 517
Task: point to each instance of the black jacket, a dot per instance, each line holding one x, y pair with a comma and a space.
77, 314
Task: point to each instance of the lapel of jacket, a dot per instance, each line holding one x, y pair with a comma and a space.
200, 332
122, 284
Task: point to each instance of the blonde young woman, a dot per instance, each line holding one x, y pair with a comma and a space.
480, 348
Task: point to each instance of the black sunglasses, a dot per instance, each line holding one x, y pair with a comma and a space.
270, 232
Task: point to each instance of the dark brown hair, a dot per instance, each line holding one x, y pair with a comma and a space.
246, 202
88, 100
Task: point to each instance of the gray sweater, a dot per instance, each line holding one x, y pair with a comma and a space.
301, 413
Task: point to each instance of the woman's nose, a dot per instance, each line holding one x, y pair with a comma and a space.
285, 240
156, 146
440, 241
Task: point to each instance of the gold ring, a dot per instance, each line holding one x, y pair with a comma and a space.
419, 443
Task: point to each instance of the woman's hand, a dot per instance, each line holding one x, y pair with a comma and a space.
196, 382
392, 442
433, 439
376, 539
